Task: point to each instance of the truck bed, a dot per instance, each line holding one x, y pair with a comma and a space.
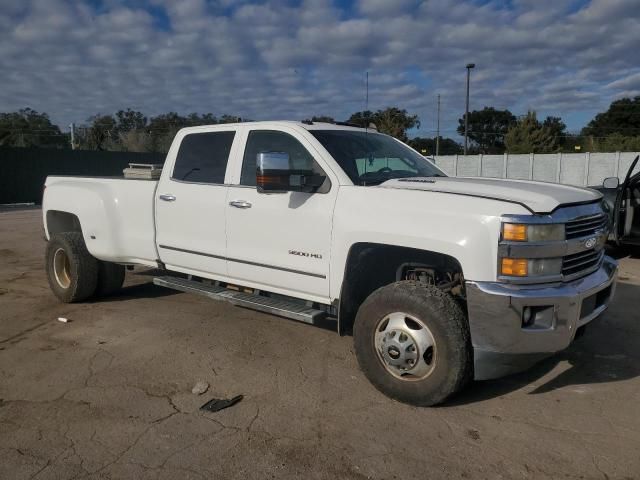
117, 214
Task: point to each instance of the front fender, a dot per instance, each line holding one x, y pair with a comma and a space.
461, 227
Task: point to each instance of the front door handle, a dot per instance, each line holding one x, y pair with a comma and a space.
240, 204
167, 197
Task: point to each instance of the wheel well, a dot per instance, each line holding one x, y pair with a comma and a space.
371, 266
58, 222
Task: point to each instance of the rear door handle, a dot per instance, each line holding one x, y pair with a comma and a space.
167, 197
240, 204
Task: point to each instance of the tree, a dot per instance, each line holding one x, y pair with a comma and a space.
229, 119
487, 128
427, 146
101, 134
164, 127
528, 135
622, 117
392, 121
129, 120
134, 141
322, 119
28, 128
616, 143
555, 125
558, 129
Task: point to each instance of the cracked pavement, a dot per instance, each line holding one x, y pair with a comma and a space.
108, 395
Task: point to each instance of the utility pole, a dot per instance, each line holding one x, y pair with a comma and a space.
466, 114
438, 129
72, 126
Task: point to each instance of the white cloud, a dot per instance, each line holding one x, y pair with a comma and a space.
292, 60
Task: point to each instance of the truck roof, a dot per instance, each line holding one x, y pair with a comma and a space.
308, 125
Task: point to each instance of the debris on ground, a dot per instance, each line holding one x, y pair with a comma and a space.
217, 404
473, 434
199, 388
63, 320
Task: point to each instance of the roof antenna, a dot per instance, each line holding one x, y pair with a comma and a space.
366, 101
366, 98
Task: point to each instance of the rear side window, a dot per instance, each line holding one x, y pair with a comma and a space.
274, 141
203, 157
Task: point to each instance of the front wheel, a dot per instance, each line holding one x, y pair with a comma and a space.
412, 343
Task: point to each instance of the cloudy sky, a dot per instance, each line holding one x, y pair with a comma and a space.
290, 59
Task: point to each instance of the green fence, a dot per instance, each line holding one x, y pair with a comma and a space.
23, 170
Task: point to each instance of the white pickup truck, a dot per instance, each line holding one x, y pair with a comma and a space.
440, 280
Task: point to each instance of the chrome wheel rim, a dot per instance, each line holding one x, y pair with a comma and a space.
405, 346
62, 268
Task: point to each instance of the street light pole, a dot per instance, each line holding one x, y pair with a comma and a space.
466, 113
438, 129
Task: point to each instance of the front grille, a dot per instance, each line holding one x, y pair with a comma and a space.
585, 226
581, 262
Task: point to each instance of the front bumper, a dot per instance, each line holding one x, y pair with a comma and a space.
502, 345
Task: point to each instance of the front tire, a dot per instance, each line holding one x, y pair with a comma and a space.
412, 343
71, 270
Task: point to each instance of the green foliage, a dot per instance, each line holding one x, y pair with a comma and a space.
320, 118
427, 146
164, 127
101, 134
130, 120
28, 128
362, 119
131, 131
556, 126
622, 117
528, 135
614, 143
487, 128
392, 121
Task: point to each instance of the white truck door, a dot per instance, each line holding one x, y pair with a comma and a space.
280, 241
191, 204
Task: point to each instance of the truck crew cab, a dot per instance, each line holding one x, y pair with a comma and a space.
440, 280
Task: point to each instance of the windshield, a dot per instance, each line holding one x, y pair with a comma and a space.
372, 158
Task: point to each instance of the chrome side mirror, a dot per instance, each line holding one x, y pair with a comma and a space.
611, 182
272, 172
272, 161
275, 175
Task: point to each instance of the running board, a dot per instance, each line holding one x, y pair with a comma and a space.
282, 308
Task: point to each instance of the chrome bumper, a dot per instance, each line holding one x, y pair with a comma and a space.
502, 345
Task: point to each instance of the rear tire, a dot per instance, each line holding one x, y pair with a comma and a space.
110, 278
71, 270
412, 342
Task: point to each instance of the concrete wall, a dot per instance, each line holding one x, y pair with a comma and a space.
582, 169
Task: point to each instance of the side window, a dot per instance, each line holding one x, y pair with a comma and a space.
203, 157
274, 141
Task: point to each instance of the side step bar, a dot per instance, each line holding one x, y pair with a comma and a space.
282, 308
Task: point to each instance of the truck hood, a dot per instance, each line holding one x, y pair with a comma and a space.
538, 197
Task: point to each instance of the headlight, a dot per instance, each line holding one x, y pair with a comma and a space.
533, 238
518, 232
536, 267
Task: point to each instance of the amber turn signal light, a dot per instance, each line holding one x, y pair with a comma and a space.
515, 232
514, 267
